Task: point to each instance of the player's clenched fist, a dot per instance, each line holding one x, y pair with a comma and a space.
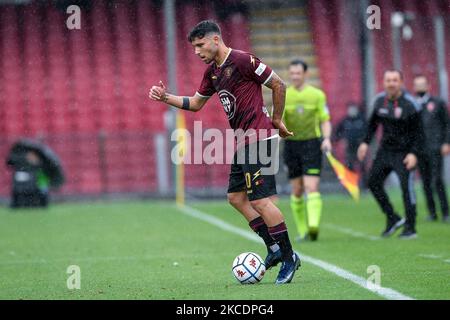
158, 93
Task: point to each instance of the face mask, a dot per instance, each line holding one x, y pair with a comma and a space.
421, 93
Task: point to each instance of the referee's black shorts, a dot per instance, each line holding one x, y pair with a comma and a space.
247, 175
303, 158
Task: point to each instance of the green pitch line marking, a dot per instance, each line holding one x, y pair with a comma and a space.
384, 292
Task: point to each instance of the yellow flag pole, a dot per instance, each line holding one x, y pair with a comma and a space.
179, 169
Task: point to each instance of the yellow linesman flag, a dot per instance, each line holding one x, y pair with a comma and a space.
348, 178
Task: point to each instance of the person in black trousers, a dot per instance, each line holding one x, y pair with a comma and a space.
352, 129
435, 122
398, 113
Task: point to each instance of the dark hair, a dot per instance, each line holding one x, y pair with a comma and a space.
394, 70
297, 62
202, 29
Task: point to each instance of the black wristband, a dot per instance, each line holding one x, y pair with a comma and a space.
185, 103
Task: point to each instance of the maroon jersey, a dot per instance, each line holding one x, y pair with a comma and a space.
238, 82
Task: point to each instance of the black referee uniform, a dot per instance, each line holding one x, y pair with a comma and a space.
402, 134
435, 122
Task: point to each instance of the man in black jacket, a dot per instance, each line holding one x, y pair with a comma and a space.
398, 113
435, 122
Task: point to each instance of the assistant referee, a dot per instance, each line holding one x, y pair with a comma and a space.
398, 113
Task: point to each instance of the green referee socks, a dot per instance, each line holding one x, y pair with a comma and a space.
314, 209
299, 211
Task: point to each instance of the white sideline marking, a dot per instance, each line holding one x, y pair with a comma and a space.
430, 256
434, 257
386, 293
71, 259
351, 232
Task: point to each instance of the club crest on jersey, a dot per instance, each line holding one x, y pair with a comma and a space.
398, 112
430, 106
228, 71
300, 110
259, 182
228, 102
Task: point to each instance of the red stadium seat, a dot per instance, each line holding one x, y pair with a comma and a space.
65, 84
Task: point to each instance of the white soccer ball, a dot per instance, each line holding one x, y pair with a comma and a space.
248, 268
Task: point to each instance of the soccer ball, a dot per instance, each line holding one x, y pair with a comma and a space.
248, 268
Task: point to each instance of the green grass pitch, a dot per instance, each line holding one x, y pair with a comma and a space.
151, 250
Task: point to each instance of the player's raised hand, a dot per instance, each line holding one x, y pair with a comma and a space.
410, 161
282, 130
158, 93
362, 151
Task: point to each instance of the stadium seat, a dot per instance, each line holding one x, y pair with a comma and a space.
63, 83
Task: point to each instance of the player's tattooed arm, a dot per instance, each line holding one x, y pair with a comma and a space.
278, 95
278, 87
194, 103
197, 102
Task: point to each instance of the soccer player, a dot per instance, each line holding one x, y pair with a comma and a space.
237, 77
398, 113
306, 115
437, 143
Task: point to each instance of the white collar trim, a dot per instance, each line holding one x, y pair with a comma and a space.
226, 58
